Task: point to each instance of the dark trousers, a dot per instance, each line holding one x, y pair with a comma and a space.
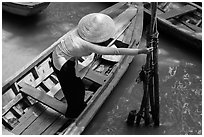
73, 89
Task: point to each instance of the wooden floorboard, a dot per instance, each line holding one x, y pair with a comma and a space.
27, 119
42, 122
96, 77
56, 125
174, 13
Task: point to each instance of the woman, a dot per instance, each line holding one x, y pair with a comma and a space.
92, 32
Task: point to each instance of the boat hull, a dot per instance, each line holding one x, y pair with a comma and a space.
191, 35
36, 93
24, 9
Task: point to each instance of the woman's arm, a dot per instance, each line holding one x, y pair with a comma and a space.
116, 51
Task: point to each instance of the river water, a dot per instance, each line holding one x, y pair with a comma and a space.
180, 72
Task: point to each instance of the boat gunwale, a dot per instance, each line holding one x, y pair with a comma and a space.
26, 6
24, 10
170, 23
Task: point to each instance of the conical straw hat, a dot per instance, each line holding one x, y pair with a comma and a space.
96, 27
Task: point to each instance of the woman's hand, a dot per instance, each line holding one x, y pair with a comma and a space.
145, 50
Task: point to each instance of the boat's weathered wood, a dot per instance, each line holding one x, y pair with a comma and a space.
193, 27
124, 18
96, 77
42, 122
195, 5
28, 118
11, 104
180, 12
6, 132
27, 69
51, 130
44, 98
58, 92
183, 26
15, 88
137, 31
24, 8
54, 91
113, 8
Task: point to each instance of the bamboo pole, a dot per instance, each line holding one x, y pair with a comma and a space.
144, 105
148, 96
155, 80
151, 84
155, 62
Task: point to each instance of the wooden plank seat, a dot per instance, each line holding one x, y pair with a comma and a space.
44, 98
179, 12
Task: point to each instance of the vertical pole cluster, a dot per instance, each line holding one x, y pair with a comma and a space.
149, 108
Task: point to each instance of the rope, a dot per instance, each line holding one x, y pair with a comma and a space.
145, 74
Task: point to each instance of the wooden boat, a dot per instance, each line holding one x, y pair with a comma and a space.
24, 8
183, 20
32, 100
